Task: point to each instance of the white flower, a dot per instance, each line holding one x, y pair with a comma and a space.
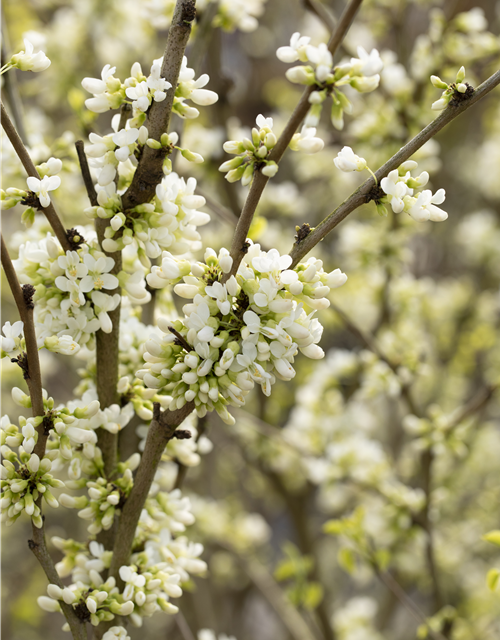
396, 189
367, 64
219, 292
95, 86
306, 141
102, 304
140, 96
295, 51
28, 60
191, 89
347, 160
43, 186
116, 633
322, 58
157, 84
424, 207
124, 139
98, 276
10, 343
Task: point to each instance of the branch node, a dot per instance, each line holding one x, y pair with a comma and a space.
182, 434
376, 193
75, 238
458, 97
180, 341
28, 293
188, 13
302, 232
32, 545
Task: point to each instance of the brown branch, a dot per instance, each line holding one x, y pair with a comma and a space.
389, 581
359, 196
238, 246
321, 12
84, 168
219, 209
150, 169
270, 589
160, 432
39, 549
23, 299
20, 149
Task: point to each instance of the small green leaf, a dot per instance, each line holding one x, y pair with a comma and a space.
492, 579
493, 536
347, 560
313, 595
334, 527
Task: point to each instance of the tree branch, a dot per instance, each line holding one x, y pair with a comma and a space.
359, 196
84, 168
150, 169
20, 149
160, 432
238, 246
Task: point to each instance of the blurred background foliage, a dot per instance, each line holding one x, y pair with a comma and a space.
383, 436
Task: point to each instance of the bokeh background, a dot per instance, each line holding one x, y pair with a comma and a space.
414, 489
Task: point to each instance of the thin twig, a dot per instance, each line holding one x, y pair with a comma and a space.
359, 196
84, 168
161, 430
420, 617
20, 149
183, 626
149, 171
219, 209
34, 380
270, 589
12, 90
238, 245
319, 10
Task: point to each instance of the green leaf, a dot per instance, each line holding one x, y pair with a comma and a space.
334, 527
312, 596
347, 560
492, 578
284, 570
493, 536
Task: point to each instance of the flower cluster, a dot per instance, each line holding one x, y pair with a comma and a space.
105, 498
24, 477
238, 331
360, 73
38, 194
110, 93
70, 297
12, 341
168, 222
27, 60
400, 187
458, 90
251, 155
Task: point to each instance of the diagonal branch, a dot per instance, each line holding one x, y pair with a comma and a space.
20, 149
150, 169
238, 246
161, 430
359, 197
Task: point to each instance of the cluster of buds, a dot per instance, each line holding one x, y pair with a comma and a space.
457, 91
150, 590
361, 73
236, 331
110, 93
38, 194
400, 189
169, 222
95, 605
24, 479
105, 498
69, 292
27, 60
251, 155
